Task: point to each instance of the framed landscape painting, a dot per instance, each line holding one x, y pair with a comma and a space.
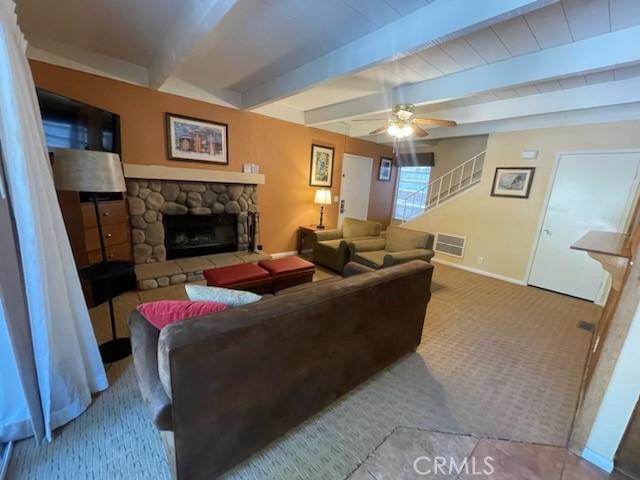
198, 140
321, 171
512, 182
384, 174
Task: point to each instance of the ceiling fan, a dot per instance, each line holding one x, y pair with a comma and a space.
403, 123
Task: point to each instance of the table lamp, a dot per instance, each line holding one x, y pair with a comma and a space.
98, 172
323, 197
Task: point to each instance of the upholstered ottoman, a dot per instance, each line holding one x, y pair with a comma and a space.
288, 271
245, 276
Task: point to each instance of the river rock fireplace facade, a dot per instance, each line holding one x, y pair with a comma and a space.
155, 205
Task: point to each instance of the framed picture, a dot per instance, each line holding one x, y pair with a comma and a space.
512, 182
321, 171
196, 139
384, 173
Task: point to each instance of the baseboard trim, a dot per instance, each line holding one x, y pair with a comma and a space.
598, 460
480, 272
284, 254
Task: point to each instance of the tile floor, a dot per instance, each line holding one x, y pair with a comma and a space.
412, 454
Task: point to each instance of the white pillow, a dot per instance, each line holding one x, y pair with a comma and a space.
233, 298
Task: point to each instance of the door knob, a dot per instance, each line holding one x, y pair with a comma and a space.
547, 231
109, 235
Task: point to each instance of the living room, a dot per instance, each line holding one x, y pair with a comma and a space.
231, 225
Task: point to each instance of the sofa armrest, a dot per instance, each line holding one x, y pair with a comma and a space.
368, 245
144, 342
354, 268
406, 256
322, 235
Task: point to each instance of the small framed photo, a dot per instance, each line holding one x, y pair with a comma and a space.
197, 140
321, 170
512, 182
384, 173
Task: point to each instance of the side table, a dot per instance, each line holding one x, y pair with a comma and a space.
307, 239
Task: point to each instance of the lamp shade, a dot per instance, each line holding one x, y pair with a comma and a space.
323, 197
87, 171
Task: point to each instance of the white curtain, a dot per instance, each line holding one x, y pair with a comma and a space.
47, 379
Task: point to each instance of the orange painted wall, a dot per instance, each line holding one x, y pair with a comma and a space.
282, 149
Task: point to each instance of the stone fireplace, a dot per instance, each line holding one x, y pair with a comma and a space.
200, 211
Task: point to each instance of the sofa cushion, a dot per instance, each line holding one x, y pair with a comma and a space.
352, 228
232, 298
401, 239
354, 268
332, 244
371, 259
164, 312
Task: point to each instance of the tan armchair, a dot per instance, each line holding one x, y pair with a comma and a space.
399, 245
332, 248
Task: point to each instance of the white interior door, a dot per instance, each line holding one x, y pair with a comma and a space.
355, 186
590, 192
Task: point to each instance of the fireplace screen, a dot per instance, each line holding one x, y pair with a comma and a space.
193, 235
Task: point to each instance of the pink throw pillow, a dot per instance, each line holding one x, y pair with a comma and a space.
162, 313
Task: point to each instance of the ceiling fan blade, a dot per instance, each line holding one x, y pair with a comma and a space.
418, 131
435, 122
369, 120
378, 130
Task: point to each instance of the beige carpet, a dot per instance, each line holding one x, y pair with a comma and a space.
510, 358
496, 360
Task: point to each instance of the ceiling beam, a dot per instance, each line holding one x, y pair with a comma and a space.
597, 53
607, 114
69, 56
612, 113
425, 27
197, 20
591, 96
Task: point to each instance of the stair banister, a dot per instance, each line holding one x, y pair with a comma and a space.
435, 200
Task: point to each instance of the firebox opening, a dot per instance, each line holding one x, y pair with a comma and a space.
194, 235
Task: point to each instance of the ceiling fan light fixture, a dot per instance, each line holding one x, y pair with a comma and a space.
405, 131
399, 131
403, 123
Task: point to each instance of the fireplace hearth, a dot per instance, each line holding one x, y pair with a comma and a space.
195, 235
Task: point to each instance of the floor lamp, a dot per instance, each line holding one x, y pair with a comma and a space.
98, 172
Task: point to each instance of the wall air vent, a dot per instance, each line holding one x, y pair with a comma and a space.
450, 244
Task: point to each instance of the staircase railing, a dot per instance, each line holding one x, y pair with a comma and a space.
444, 187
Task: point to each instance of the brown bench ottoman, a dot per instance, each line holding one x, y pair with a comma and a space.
288, 271
245, 276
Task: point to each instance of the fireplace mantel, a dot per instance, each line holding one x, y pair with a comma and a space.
159, 172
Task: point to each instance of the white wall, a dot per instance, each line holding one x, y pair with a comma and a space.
501, 232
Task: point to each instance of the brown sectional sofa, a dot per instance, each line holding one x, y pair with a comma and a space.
222, 387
